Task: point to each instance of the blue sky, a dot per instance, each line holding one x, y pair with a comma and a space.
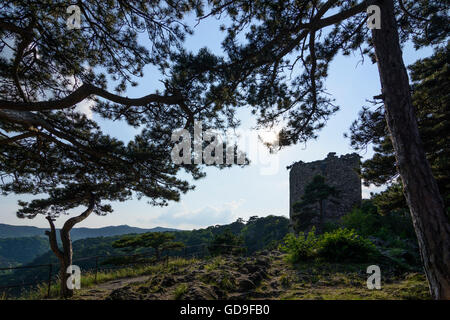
225, 195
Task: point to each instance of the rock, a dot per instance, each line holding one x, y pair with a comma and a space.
246, 284
144, 289
256, 277
239, 296
219, 292
266, 294
187, 278
276, 253
243, 270
167, 281
274, 284
200, 292
125, 293
262, 261
251, 267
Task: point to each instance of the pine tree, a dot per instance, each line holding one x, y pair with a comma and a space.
48, 146
316, 193
226, 242
297, 40
158, 241
430, 78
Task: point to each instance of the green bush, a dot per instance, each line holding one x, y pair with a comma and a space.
299, 248
345, 245
340, 245
367, 221
393, 233
330, 226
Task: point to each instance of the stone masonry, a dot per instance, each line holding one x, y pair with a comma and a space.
339, 172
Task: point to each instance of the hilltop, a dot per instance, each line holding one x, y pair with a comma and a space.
265, 275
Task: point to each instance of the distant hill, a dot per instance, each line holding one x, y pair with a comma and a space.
9, 231
83, 233
18, 251
21, 244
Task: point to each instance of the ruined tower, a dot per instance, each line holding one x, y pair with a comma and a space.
339, 172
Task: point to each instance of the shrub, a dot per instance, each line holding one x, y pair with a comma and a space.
393, 233
367, 221
299, 248
330, 226
340, 245
345, 245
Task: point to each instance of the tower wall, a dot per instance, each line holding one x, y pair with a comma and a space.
339, 172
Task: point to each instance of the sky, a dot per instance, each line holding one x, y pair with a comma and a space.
260, 189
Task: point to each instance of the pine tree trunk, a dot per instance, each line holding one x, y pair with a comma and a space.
420, 188
65, 255
66, 292
322, 218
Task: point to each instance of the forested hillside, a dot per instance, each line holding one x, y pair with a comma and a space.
17, 251
9, 231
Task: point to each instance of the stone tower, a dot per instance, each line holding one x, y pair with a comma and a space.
339, 172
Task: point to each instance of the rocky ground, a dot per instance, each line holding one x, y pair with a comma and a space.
263, 276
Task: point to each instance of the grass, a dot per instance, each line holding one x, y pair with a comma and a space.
226, 282
317, 281
88, 279
285, 280
180, 291
403, 290
215, 264
306, 280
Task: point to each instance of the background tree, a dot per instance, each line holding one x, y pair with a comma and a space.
158, 241
226, 243
264, 233
430, 80
316, 193
300, 39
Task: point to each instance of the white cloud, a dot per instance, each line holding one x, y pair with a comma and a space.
182, 217
85, 107
372, 188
